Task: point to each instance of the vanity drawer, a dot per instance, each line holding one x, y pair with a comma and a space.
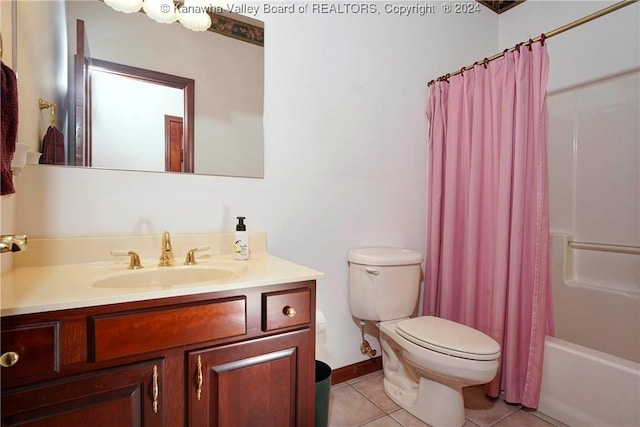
129, 333
285, 309
37, 347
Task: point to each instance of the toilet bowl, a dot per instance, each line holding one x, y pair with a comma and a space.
425, 375
426, 360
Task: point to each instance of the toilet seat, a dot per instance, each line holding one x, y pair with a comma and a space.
445, 336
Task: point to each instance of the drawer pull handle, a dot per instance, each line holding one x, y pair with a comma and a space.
199, 378
155, 389
289, 311
9, 359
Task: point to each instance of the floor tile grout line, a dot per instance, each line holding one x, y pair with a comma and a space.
385, 413
516, 408
551, 421
504, 417
399, 421
377, 418
364, 378
371, 401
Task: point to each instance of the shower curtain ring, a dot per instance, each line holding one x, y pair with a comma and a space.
543, 37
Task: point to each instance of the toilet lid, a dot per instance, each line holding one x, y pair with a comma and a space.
445, 336
384, 256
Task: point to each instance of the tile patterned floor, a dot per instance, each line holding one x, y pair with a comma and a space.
362, 402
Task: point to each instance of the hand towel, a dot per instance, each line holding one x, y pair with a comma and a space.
8, 127
53, 147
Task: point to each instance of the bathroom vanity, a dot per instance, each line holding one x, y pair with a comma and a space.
237, 353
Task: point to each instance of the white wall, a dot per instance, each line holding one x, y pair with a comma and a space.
345, 155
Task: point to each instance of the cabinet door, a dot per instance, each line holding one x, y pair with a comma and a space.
263, 383
125, 396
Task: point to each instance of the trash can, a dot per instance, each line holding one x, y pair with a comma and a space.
323, 385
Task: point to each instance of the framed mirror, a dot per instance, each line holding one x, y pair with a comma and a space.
227, 71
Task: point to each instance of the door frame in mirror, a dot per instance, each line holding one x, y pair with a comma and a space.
188, 88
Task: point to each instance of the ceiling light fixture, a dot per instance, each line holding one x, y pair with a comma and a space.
125, 6
162, 11
193, 15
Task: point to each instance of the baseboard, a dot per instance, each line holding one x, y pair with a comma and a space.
356, 370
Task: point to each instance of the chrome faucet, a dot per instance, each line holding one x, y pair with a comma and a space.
166, 256
13, 243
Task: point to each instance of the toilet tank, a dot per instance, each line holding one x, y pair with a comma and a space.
384, 283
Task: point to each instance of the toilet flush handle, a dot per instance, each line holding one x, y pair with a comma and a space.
372, 271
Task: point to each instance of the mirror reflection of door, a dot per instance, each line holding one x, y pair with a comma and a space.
120, 115
174, 150
130, 136
78, 153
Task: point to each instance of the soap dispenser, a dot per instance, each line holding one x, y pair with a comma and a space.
241, 245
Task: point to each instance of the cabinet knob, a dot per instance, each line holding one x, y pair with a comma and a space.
9, 359
289, 311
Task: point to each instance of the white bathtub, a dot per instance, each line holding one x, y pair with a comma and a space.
585, 387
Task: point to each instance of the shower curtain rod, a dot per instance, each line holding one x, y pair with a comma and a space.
543, 36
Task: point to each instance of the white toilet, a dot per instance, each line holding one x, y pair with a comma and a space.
427, 360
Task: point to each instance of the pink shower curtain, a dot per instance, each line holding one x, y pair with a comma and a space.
488, 212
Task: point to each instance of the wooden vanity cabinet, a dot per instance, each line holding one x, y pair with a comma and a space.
124, 396
230, 358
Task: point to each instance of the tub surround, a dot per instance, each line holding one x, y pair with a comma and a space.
57, 274
615, 330
609, 389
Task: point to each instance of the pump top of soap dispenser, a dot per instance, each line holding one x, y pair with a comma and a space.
241, 226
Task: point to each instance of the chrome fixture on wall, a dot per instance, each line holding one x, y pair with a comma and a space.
13, 243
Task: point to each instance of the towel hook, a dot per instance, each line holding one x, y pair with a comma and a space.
45, 104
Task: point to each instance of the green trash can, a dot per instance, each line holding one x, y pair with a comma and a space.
323, 385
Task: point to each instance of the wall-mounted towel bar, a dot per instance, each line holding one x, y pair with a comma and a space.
605, 247
46, 104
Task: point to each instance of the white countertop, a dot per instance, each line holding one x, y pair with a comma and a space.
56, 287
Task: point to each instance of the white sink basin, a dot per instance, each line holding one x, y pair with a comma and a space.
166, 277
